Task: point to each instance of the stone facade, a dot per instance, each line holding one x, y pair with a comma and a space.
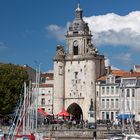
76, 70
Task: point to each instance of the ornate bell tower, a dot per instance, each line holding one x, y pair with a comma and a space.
78, 35
76, 70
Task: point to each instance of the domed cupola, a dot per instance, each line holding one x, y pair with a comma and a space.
78, 25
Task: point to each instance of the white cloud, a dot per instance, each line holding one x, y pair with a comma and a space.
50, 71
107, 63
56, 31
2, 45
115, 30
109, 29
114, 68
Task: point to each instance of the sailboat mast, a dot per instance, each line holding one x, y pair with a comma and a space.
24, 106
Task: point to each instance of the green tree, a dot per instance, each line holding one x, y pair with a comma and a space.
12, 78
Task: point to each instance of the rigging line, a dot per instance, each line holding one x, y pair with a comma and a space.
12, 128
23, 115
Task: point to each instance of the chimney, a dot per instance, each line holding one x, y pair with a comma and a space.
131, 71
108, 70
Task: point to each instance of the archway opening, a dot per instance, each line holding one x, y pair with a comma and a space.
76, 112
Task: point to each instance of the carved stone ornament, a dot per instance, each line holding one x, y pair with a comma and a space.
91, 49
59, 50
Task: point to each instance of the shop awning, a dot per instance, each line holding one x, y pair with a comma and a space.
63, 113
41, 111
125, 116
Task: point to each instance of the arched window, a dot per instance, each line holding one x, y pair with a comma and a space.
128, 93
43, 101
133, 92
122, 92
112, 115
103, 103
112, 103
103, 115
75, 50
107, 103
117, 103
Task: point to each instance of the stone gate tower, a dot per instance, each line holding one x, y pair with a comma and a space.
76, 70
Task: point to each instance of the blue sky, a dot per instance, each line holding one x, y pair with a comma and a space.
31, 29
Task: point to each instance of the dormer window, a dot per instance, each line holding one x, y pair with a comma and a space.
107, 80
43, 91
110, 79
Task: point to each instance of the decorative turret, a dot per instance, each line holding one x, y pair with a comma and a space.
60, 53
59, 63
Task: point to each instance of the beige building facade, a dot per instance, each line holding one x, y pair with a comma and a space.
45, 96
108, 95
118, 96
130, 95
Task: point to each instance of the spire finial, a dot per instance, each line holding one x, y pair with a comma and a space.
78, 3
78, 8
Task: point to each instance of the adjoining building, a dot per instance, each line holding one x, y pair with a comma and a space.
118, 95
45, 97
108, 94
130, 95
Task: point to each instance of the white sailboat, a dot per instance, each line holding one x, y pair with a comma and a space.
25, 120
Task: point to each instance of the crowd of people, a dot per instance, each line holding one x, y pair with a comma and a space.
69, 123
125, 124
66, 122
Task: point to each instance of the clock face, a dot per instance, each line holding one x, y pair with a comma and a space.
75, 43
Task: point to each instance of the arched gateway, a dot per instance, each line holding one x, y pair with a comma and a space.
76, 111
76, 70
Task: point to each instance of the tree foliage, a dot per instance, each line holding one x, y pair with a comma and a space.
12, 78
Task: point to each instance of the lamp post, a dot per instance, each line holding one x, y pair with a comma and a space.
123, 95
37, 92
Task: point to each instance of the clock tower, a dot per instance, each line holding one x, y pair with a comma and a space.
78, 35
76, 70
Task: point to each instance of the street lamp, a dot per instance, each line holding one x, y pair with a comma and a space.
37, 91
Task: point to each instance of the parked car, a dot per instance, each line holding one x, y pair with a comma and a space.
91, 125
